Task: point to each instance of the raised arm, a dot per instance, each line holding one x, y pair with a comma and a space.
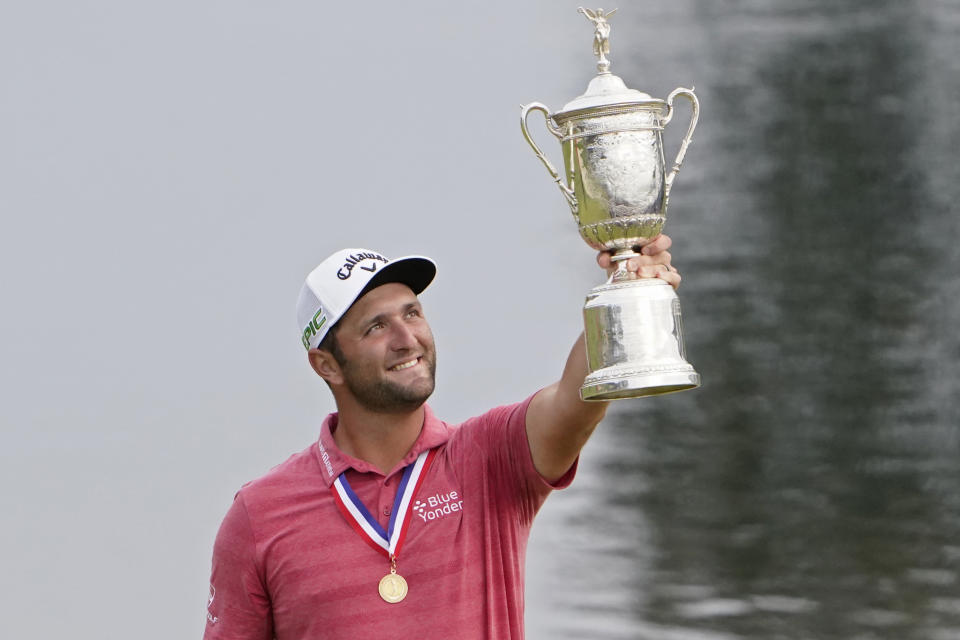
558, 421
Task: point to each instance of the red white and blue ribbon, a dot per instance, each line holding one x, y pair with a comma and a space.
386, 542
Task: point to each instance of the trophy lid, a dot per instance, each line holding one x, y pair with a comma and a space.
605, 89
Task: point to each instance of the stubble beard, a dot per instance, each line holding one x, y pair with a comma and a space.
386, 396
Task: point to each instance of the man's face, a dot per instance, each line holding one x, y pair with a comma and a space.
388, 350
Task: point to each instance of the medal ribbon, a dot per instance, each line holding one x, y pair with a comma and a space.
386, 542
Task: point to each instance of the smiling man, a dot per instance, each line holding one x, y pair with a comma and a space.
395, 523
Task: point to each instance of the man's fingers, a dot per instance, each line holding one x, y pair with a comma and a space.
665, 272
655, 254
651, 270
655, 266
670, 277
661, 243
663, 258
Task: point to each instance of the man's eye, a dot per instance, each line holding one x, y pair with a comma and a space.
374, 327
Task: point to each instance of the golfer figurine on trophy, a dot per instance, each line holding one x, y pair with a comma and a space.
617, 187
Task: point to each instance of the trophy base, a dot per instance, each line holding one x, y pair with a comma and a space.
634, 338
620, 383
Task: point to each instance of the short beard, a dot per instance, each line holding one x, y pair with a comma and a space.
383, 396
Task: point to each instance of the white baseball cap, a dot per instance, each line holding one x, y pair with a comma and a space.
341, 279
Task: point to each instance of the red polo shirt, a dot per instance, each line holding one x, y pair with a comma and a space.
287, 564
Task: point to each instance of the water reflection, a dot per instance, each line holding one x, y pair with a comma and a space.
811, 488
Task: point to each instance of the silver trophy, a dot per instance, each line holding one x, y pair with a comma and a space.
618, 188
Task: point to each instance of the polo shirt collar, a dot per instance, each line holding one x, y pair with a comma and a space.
333, 461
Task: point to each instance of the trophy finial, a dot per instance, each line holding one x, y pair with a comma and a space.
601, 35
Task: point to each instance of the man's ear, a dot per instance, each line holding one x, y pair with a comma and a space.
326, 366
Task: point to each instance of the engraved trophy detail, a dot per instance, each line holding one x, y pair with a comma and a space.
617, 186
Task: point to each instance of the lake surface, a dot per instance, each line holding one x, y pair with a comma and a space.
811, 487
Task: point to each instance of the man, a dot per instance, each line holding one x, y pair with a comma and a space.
395, 524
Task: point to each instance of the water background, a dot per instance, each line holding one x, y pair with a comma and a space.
811, 487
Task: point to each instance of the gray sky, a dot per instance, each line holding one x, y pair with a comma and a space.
171, 171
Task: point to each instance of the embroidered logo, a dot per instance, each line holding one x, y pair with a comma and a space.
210, 617
354, 260
315, 324
438, 505
325, 457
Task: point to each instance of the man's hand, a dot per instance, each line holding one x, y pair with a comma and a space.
653, 263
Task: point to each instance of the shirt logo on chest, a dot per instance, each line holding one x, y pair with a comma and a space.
437, 506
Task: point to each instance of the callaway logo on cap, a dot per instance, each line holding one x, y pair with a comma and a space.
342, 278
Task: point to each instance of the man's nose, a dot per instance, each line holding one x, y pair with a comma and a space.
403, 337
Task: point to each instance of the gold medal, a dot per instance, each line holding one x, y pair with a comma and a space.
393, 588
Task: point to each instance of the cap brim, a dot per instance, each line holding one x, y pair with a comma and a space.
417, 272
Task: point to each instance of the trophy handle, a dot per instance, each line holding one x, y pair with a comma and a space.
552, 128
694, 116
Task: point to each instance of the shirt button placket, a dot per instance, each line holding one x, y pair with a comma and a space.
386, 506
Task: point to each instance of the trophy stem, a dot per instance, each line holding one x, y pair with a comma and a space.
621, 274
